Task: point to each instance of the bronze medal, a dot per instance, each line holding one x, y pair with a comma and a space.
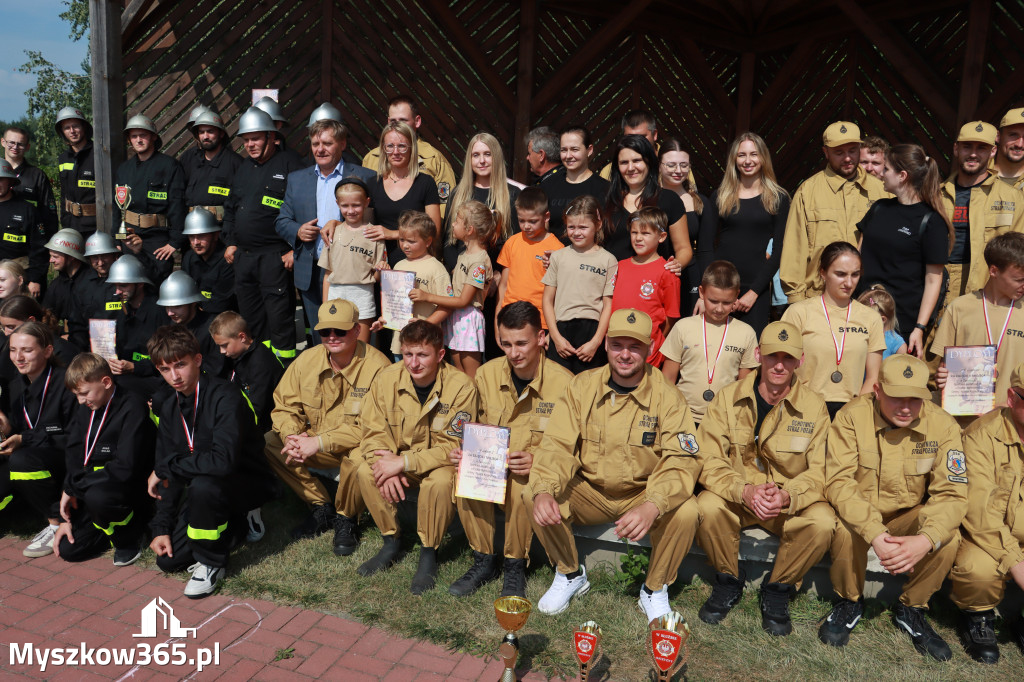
708, 395
837, 377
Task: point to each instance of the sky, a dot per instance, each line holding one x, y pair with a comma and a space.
34, 25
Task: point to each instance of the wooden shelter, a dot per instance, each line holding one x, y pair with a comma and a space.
708, 69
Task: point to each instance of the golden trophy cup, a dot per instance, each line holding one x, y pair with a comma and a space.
586, 644
668, 644
511, 613
123, 197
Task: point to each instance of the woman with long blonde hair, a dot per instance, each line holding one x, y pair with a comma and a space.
745, 213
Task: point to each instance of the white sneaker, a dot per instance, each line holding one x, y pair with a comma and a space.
556, 599
655, 604
204, 581
42, 543
257, 529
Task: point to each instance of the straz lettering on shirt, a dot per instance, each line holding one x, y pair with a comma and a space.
156, 196
214, 189
853, 330
648, 421
360, 250
1003, 206
1015, 332
734, 349
272, 202
113, 305
925, 447
799, 426
600, 272
87, 183
544, 408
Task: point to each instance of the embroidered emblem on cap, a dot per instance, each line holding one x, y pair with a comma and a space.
333, 309
631, 318
842, 129
908, 373
783, 335
980, 128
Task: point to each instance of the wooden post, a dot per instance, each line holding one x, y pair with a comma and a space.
107, 103
745, 95
327, 41
638, 69
978, 22
524, 86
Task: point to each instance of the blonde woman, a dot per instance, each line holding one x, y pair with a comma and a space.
746, 212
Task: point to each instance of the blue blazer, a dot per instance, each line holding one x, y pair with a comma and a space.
300, 207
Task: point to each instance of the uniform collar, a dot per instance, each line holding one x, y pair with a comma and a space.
918, 426
836, 181
405, 385
1008, 434
217, 158
748, 390
641, 394
535, 383
324, 363
950, 184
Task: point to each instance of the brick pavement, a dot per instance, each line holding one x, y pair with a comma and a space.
53, 604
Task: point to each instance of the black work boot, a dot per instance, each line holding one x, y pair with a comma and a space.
725, 594
389, 553
483, 570
346, 535
836, 629
775, 608
426, 572
912, 621
319, 521
515, 578
977, 632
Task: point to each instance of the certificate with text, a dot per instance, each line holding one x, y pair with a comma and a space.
395, 304
483, 471
971, 385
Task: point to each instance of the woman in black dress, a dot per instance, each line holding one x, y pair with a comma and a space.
674, 174
745, 213
906, 241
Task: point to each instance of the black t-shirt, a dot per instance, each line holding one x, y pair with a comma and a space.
896, 250
520, 384
962, 224
618, 388
423, 392
386, 210
451, 252
561, 192
763, 408
618, 244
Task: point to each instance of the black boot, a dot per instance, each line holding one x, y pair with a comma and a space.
319, 521
426, 572
725, 594
977, 632
346, 535
775, 608
515, 578
483, 570
389, 553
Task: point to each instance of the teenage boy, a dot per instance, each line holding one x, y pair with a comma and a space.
205, 262
643, 283
897, 479
109, 457
209, 467
707, 352
412, 420
249, 365
518, 391
525, 255
180, 298
137, 319
65, 293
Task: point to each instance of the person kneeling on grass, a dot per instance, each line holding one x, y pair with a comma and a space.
620, 447
210, 470
109, 456
897, 477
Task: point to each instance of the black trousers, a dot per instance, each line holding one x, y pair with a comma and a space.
37, 476
266, 299
578, 332
108, 514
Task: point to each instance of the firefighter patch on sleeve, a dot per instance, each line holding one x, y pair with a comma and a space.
688, 442
956, 462
456, 424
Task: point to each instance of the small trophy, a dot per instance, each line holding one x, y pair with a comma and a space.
586, 644
668, 644
123, 197
511, 613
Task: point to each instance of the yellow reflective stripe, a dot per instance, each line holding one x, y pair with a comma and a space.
109, 530
281, 353
99, 467
6, 501
154, 418
113, 305
200, 534
214, 189
66, 167
157, 196
87, 183
137, 357
29, 475
17, 238
246, 396
272, 202
207, 294
34, 203
267, 343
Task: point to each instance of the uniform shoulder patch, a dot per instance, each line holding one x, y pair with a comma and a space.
479, 274
956, 462
456, 424
443, 190
688, 442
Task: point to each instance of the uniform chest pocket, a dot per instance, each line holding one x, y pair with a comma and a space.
157, 192
918, 466
869, 459
643, 438
395, 418
821, 224
537, 427
273, 194
594, 433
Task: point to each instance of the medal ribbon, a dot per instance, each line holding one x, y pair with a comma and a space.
988, 331
90, 448
707, 360
190, 435
840, 348
42, 401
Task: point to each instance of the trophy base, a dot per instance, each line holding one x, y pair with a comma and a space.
509, 653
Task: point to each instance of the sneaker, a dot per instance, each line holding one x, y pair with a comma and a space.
319, 521
725, 594
845, 615
256, 527
483, 571
514, 584
42, 543
562, 590
126, 556
775, 608
204, 581
654, 604
912, 621
978, 634
346, 535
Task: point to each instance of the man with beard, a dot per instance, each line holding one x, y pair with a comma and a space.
979, 207
205, 262
826, 208
209, 169
77, 172
1009, 162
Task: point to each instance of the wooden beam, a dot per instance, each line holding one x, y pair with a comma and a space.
914, 70
784, 79
693, 59
107, 103
974, 59
745, 94
583, 59
638, 69
327, 48
524, 86
134, 13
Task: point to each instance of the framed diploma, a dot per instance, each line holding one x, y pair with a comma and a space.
395, 304
483, 471
103, 338
971, 385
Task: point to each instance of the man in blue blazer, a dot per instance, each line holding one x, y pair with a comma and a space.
309, 204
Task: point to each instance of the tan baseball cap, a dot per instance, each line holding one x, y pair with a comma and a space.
338, 314
977, 131
1013, 117
904, 376
840, 133
632, 323
782, 336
